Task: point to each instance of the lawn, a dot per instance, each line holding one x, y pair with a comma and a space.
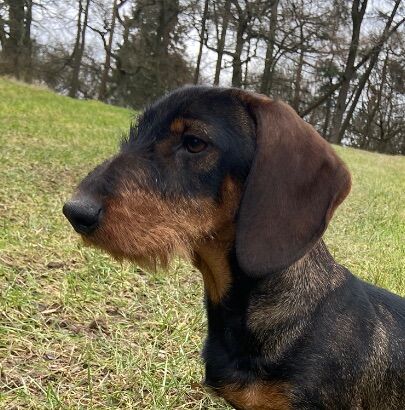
79, 330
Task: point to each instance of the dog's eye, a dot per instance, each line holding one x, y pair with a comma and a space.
193, 144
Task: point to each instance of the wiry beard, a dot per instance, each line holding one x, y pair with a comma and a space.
145, 228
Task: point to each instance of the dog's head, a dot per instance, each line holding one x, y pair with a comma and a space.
202, 160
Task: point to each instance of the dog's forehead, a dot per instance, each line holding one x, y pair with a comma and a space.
194, 102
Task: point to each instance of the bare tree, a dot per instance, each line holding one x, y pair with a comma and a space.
15, 43
377, 123
3, 32
358, 11
202, 36
315, 54
221, 41
366, 74
267, 77
365, 58
102, 94
79, 46
16, 40
246, 11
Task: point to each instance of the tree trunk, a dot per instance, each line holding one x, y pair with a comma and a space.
74, 87
167, 20
358, 10
79, 48
221, 42
298, 74
3, 36
202, 34
267, 78
14, 45
365, 76
245, 74
375, 105
383, 39
237, 61
102, 94
28, 43
328, 107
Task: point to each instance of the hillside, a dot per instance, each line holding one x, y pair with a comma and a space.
78, 330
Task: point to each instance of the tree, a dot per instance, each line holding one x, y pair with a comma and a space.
102, 94
373, 60
267, 77
357, 14
149, 62
79, 46
377, 123
319, 55
202, 36
15, 38
246, 11
221, 40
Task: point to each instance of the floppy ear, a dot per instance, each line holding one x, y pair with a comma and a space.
295, 184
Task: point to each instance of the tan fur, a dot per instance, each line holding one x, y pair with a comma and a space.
258, 396
211, 255
251, 98
177, 126
211, 259
150, 230
193, 126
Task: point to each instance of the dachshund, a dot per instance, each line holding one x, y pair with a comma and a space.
240, 185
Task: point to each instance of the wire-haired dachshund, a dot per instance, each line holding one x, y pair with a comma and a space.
244, 188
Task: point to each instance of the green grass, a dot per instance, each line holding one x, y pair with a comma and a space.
80, 331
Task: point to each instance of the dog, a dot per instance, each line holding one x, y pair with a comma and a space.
244, 188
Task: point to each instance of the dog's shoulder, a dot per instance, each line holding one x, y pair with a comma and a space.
388, 305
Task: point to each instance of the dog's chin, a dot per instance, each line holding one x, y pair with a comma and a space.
158, 260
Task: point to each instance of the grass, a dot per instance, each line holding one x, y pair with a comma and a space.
80, 331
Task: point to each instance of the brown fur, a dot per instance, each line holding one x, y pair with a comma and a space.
197, 128
211, 255
149, 230
308, 182
177, 126
251, 98
258, 396
182, 125
211, 259
146, 228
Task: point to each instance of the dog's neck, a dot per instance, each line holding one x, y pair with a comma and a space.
216, 260
250, 318
212, 259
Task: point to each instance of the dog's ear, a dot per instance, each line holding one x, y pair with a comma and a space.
295, 183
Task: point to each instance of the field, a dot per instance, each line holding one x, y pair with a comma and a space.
81, 331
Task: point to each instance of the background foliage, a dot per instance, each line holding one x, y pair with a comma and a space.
339, 63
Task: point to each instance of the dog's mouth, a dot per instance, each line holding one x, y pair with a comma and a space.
86, 230
143, 228
149, 229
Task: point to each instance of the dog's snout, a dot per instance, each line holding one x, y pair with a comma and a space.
83, 214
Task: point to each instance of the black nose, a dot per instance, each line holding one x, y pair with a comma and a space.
83, 214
